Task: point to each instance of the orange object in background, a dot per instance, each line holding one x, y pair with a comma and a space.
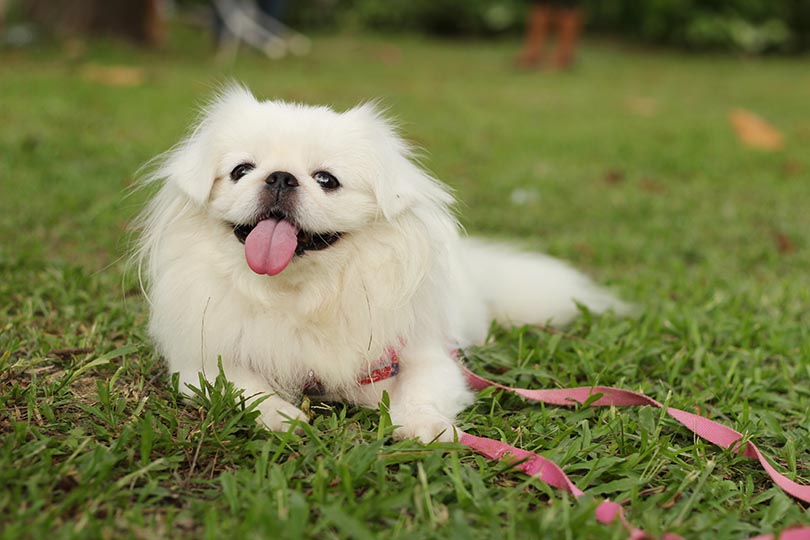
755, 132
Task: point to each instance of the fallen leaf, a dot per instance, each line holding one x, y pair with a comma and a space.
390, 55
613, 177
784, 244
651, 185
755, 132
792, 168
642, 106
114, 75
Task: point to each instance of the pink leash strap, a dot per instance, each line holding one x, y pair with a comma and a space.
547, 471
550, 473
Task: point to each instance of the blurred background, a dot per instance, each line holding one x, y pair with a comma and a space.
748, 26
623, 135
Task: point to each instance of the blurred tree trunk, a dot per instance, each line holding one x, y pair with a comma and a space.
138, 20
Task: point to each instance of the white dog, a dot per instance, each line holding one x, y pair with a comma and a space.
306, 249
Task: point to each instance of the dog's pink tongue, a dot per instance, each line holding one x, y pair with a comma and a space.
270, 246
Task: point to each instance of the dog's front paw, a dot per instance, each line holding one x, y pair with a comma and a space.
425, 424
277, 414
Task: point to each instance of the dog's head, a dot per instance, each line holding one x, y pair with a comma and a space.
290, 179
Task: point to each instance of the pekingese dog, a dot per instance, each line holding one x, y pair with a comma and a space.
306, 249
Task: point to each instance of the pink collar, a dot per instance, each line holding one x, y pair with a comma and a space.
385, 367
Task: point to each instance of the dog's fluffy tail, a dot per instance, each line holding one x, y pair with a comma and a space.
529, 288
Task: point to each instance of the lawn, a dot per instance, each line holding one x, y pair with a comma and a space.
628, 167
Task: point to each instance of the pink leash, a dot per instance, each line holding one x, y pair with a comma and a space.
607, 511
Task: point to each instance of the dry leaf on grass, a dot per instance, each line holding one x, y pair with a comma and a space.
755, 132
651, 185
784, 244
642, 106
390, 55
114, 75
792, 168
613, 177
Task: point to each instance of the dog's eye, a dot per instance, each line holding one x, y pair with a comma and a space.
241, 170
326, 180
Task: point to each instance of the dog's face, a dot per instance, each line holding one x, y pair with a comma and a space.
289, 179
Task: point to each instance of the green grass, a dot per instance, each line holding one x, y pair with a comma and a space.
665, 205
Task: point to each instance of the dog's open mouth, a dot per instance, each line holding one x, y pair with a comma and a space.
273, 241
307, 241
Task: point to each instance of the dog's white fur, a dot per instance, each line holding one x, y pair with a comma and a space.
401, 275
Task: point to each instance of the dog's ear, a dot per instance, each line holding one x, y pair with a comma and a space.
399, 183
191, 164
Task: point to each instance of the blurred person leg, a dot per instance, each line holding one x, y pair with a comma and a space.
217, 26
154, 32
569, 26
248, 21
537, 29
273, 8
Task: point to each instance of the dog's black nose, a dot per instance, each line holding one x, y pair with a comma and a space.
282, 181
